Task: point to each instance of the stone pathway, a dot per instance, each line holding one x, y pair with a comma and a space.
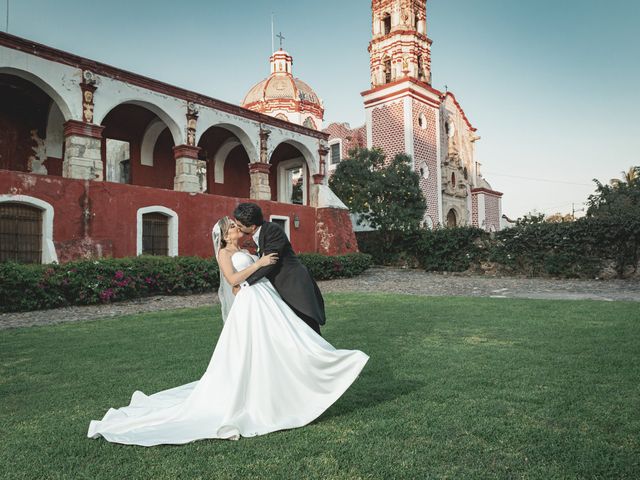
377, 279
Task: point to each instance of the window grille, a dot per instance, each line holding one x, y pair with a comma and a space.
20, 233
155, 234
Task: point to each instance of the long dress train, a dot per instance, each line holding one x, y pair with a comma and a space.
269, 371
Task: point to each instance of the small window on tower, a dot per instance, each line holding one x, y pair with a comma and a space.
386, 24
422, 121
387, 71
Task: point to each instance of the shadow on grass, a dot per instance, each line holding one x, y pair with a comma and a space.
375, 386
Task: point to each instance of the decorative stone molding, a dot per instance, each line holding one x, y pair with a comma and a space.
264, 145
88, 87
192, 122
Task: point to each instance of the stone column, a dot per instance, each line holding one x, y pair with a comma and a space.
186, 179
260, 188
318, 178
82, 151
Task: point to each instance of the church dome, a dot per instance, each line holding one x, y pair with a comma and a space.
283, 96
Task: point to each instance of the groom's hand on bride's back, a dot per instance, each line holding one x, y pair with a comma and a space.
268, 259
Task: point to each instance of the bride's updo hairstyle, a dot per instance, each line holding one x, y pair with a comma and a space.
224, 223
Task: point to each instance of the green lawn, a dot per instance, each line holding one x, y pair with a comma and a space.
455, 388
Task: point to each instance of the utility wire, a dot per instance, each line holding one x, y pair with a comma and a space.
538, 179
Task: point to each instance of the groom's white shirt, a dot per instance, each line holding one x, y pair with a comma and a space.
256, 238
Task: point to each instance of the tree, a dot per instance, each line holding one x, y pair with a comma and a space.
387, 197
560, 218
619, 197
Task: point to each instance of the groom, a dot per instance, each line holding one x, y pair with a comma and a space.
291, 278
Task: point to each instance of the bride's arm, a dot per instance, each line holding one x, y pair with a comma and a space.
236, 278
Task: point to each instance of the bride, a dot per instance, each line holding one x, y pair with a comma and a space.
269, 370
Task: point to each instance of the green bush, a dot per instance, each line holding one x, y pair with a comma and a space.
35, 287
323, 267
581, 249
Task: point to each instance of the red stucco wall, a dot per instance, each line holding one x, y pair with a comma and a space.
99, 218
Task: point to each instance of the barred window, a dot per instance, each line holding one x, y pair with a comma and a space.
335, 153
20, 233
155, 234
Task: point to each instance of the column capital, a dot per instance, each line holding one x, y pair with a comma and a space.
318, 179
186, 151
82, 129
259, 167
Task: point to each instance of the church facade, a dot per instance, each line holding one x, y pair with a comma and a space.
405, 114
96, 161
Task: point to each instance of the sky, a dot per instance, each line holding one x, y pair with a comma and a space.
552, 86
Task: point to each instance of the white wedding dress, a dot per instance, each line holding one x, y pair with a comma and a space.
269, 371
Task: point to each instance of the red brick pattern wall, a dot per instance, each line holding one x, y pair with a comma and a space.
388, 128
426, 150
474, 210
351, 137
492, 211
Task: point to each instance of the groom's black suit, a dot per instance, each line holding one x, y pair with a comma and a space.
289, 276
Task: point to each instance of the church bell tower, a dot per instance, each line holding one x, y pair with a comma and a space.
402, 108
400, 47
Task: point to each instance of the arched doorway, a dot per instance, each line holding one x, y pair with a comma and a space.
452, 218
137, 148
227, 163
31, 128
289, 175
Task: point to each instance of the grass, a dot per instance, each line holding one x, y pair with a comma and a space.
455, 388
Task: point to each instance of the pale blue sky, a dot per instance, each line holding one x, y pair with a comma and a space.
551, 85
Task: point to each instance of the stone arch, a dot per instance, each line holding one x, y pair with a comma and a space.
220, 158
137, 146
174, 127
286, 159
304, 151
149, 139
453, 218
227, 160
44, 86
243, 137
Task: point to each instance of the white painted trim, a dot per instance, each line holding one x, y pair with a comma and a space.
220, 158
287, 223
282, 168
334, 141
408, 130
173, 228
55, 131
149, 140
49, 254
438, 173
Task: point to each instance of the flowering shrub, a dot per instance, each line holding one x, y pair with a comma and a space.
34, 287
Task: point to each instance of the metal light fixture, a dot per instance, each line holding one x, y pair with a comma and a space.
296, 221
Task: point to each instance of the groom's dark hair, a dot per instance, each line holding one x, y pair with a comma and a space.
249, 214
